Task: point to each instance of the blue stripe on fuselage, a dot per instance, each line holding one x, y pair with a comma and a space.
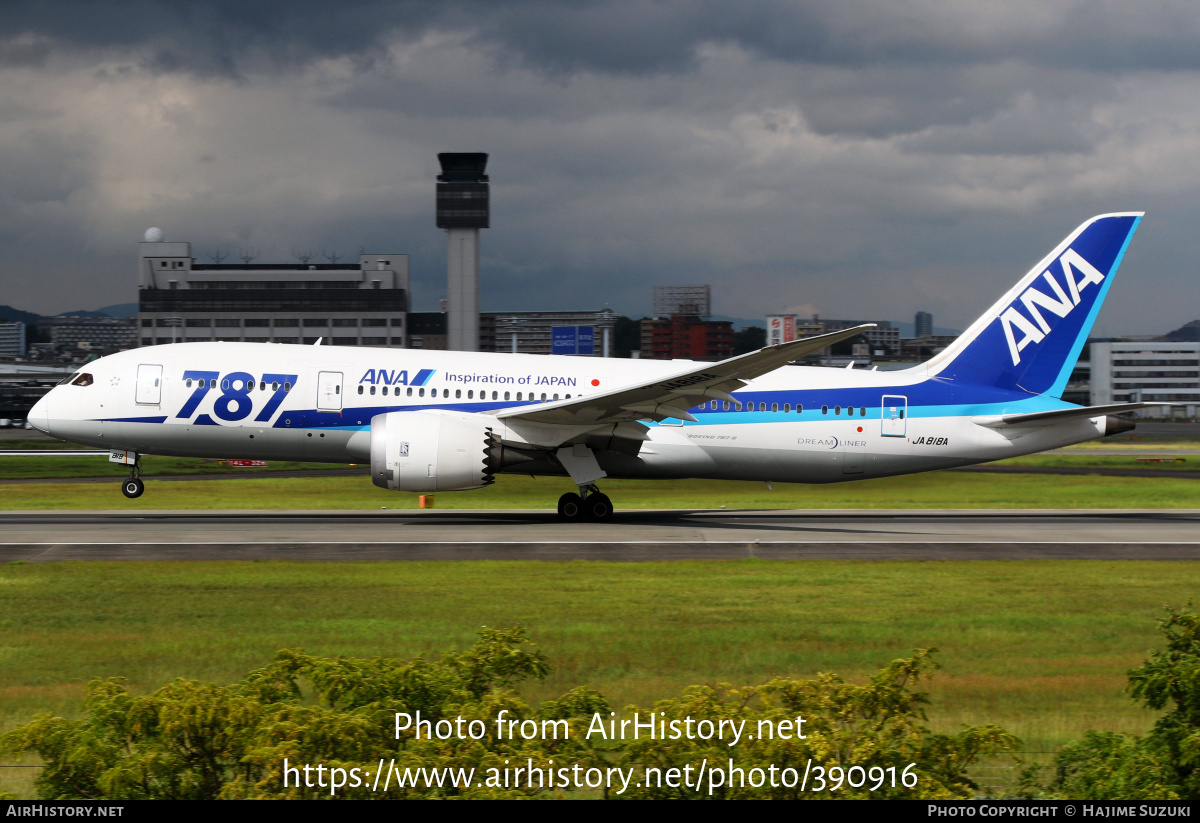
930, 398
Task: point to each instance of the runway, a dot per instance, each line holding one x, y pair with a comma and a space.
45, 537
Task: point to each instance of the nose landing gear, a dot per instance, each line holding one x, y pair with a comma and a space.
133, 487
589, 504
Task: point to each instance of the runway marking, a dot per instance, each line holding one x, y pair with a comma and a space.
565, 543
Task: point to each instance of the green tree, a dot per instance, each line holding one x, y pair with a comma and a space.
878, 728
627, 336
1163, 764
748, 339
201, 741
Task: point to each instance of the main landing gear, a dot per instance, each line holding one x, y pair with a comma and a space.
589, 504
133, 487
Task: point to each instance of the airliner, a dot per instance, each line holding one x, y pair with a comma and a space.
431, 421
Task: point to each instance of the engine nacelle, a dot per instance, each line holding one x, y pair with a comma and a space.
433, 451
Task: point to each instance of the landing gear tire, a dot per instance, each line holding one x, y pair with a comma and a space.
570, 506
133, 487
598, 507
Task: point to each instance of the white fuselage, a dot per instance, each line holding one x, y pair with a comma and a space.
315, 403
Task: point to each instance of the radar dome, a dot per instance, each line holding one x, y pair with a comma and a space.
154, 235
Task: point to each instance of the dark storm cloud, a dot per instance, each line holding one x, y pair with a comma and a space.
635, 36
863, 158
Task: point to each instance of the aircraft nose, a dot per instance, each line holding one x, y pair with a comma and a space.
39, 415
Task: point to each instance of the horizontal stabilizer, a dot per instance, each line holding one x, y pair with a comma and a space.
1063, 414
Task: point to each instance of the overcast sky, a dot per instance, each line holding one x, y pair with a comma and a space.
858, 159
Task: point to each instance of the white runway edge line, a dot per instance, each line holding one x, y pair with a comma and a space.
920, 542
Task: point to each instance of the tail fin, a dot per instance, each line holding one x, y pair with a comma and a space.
1031, 339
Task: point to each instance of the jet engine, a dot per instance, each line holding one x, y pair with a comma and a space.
436, 451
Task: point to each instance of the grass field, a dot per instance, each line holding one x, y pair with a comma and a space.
98, 466
935, 490
1040, 647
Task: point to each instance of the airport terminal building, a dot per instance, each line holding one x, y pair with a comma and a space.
364, 303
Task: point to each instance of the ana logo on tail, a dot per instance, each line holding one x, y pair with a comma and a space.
1061, 304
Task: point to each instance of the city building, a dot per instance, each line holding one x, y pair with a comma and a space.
532, 332
364, 303
923, 324
884, 339
427, 330
689, 301
1147, 371
526, 332
925, 346
12, 339
686, 337
784, 328
99, 334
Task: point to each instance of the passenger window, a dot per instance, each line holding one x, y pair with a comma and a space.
274, 387
862, 411
385, 390
555, 396
212, 384
518, 395
287, 386
445, 392
457, 394
409, 392
471, 394
360, 389
506, 395
787, 407
774, 407
543, 397
372, 390
799, 408
824, 410
421, 393
263, 387
568, 397
725, 406
496, 395
188, 383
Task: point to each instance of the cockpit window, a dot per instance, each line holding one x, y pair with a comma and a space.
84, 379
67, 379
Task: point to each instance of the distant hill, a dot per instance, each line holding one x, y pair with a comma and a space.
120, 310
10, 315
1187, 333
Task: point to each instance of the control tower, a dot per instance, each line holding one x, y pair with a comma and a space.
462, 210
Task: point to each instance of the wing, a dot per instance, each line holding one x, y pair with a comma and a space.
672, 396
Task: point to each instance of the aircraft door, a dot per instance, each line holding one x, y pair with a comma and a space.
895, 412
329, 391
149, 385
